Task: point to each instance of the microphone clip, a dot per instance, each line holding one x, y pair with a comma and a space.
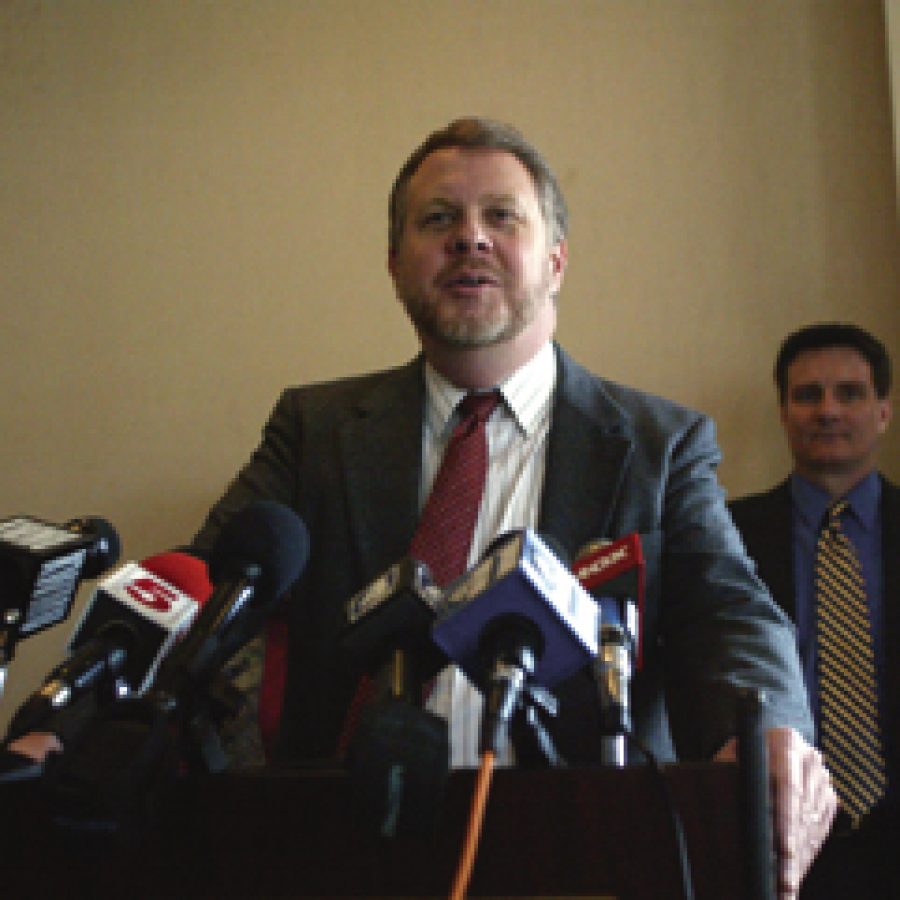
536, 703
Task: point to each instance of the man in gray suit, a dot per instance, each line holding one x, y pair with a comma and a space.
833, 381
477, 253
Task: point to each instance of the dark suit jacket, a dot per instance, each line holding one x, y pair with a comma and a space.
765, 522
346, 456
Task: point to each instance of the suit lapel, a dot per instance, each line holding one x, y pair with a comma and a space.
771, 542
381, 453
590, 442
890, 554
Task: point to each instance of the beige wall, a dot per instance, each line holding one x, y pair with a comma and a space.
192, 205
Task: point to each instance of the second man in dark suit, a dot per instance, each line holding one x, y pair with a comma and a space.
833, 383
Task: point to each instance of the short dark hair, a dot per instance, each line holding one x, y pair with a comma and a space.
822, 335
485, 134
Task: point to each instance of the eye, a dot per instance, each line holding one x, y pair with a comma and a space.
806, 393
436, 218
502, 215
850, 391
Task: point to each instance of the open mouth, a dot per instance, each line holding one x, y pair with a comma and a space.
470, 280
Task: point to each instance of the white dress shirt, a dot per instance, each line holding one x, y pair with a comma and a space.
517, 434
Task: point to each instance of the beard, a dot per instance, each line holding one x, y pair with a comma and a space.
447, 322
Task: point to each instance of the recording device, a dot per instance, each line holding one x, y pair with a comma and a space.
41, 566
519, 619
613, 571
131, 622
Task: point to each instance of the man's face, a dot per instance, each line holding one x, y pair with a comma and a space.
474, 265
831, 414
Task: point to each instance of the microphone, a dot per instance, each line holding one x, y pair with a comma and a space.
612, 671
614, 573
257, 557
397, 753
41, 565
115, 775
521, 618
182, 570
132, 620
389, 628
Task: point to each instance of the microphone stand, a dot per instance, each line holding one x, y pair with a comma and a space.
9, 633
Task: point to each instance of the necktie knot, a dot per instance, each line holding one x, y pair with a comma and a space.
478, 407
833, 515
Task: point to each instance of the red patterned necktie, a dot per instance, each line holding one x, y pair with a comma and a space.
443, 537
444, 533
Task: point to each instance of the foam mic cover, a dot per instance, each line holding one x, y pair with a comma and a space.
259, 554
182, 570
266, 535
520, 579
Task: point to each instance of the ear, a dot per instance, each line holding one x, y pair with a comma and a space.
885, 413
559, 259
782, 412
392, 263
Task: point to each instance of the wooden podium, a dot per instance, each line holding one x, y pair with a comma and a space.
580, 832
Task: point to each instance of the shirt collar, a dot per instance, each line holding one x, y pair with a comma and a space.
812, 502
526, 393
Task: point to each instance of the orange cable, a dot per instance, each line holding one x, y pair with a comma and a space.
473, 832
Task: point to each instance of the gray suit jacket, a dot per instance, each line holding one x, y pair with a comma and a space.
346, 456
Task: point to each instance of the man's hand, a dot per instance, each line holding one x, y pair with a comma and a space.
37, 745
804, 803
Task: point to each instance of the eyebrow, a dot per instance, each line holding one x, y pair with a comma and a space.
443, 200
819, 383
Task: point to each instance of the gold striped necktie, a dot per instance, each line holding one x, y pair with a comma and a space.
850, 737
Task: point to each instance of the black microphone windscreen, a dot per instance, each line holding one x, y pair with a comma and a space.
265, 534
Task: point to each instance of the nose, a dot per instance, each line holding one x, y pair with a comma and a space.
829, 406
470, 236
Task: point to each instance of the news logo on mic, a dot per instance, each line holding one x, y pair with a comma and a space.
613, 572
152, 610
520, 577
